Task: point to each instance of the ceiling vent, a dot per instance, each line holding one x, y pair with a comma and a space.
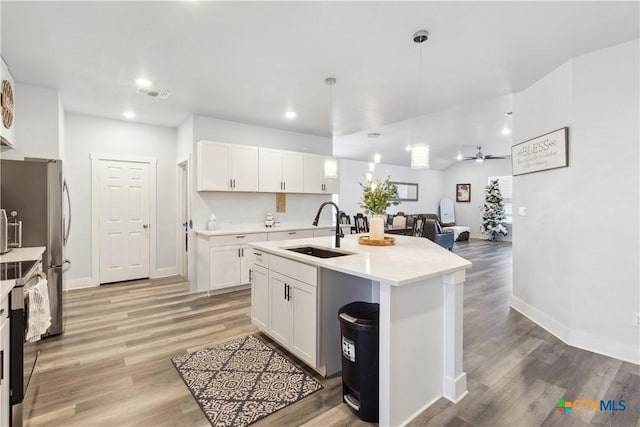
154, 93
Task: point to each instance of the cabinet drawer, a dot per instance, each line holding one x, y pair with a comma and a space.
324, 232
237, 239
296, 270
260, 257
293, 234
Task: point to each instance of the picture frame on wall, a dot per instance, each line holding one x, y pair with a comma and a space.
463, 193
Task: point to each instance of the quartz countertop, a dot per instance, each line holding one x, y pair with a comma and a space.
22, 254
410, 260
258, 228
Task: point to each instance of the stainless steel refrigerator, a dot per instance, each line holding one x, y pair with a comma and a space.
36, 190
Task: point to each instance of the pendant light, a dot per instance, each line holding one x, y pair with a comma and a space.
420, 152
331, 165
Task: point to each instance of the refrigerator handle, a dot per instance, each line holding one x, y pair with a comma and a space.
65, 236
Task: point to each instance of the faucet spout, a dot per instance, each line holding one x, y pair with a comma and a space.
339, 233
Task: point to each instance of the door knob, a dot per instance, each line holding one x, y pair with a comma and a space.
145, 226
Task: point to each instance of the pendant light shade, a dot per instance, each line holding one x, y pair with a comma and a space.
330, 165
419, 157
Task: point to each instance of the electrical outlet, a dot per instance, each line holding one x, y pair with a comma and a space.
522, 211
636, 319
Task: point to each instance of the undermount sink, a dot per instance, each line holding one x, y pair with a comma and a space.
318, 252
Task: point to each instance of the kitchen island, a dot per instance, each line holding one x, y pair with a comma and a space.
418, 285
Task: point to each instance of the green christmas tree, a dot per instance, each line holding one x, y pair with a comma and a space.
493, 218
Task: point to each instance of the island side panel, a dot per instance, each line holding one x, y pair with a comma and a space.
455, 379
411, 348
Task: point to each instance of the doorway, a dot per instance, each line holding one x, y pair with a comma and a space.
123, 215
182, 233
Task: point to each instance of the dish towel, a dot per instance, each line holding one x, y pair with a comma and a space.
39, 314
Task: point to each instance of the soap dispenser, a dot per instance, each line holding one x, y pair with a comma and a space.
211, 224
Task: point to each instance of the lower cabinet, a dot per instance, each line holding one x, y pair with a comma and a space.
290, 306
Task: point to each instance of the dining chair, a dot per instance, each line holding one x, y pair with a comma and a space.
361, 223
418, 226
399, 221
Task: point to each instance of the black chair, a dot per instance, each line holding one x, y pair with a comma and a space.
345, 220
433, 232
361, 223
410, 220
390, 219
418, 226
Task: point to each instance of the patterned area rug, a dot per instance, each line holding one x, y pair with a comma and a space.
241, 381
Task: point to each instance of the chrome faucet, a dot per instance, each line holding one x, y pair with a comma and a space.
339, 233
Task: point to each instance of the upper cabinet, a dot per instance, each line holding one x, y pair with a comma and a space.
7, 94
226, 167
231, 167
280, 171
315, 174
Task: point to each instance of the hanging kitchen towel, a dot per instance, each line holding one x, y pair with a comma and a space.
39, 314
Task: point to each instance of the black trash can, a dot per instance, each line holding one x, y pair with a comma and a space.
360, 374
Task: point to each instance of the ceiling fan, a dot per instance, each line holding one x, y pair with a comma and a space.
479, 157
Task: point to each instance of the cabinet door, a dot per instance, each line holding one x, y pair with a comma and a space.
279, 308
5, 397
213, 168
270, 170
292, 172
303, 324
331, 185
245, 263
224, 262
260, 297
244, 168
313, 173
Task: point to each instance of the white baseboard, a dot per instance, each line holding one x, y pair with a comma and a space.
541, 318
576, 338
421, 410
165, 272
454, 389
83, 282
603, 345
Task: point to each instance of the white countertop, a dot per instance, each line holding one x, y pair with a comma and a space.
259, 228
411, 259
18, 255
22, 254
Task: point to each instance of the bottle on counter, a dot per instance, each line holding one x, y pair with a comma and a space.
211, 223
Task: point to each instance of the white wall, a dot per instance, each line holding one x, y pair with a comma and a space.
575, 258
476, 174
37, 112
353, 172
88, 134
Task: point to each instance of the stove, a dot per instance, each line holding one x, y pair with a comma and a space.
16, 270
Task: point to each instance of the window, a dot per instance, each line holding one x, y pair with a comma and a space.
506, 189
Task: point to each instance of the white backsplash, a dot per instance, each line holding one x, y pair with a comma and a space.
232, 209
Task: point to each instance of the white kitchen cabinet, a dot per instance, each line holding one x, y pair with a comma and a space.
292, 234
314, 179
5, 336
224, 261
260, 296
324, 232
7, 98
292, 306
280, 171
226, 167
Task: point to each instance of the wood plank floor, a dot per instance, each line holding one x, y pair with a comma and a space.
111, 367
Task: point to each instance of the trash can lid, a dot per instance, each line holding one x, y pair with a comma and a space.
360, 312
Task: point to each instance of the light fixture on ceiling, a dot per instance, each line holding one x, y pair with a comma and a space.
330, 165
480, 157
142, 82
408, 147
369, 177
377, 157
420, 152
129, 114
506, 131
372, 167
290, 114
509, 114
459, 156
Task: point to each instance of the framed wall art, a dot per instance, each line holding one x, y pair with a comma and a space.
548, 151
463, 193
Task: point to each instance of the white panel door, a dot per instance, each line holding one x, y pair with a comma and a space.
123, 221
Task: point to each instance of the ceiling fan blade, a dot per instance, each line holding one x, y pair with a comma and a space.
468, 158
489, 157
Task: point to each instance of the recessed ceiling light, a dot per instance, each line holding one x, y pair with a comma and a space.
290, 115
506, 131
142, 82
408, 147
129, 114
459, 156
